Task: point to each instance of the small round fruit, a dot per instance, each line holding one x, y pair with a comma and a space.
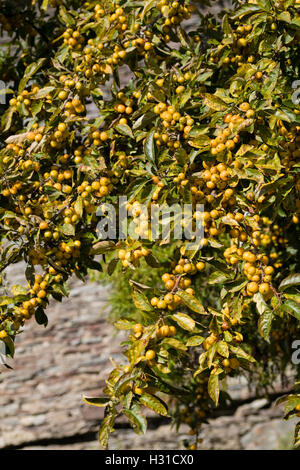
150, 355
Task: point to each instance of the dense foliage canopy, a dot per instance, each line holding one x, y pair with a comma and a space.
162, 103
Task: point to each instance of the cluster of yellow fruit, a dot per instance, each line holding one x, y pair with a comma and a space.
116, 58
171, 300
241, 33
172, 118
174, 13
59, 135
143, 45
132, 256
47, 233
70, 215
257, 270
64, 252
228, 137
13, 190
163, 330
118, 19
216, 176
98, 188
159, 186
142, 226
73, 39
22, 99
291, 152
97, 137
121, 164
74, 107
185, 266
38, 292
55, 177
69, 82
37, 256
125, 108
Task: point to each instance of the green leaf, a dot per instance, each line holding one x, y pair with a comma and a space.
124, 129
102, 247
222, 348
154, 403
96, 401
174, 343
6, 300
214, 102
40, 316
136, 419
291, 402
265, 323
68, 229
241, 353
43, 92
148, 6
285, 16
78, 206
67, 19
290, 281
45, 5
184, 321
217, 277
6, 119
194, 341
106, 428
10, 345
214, 388
124, 324
211, 354
152, 261
122, 383
266, 316
112, 266
245, 10
292, 307
29, 72
140, 301
18, 290
136, 350
149, 148
191, 302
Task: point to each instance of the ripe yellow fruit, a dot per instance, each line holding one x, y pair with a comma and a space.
264, 288
122, 254
244, 106
150, 355
164, 331
200, 266
41, 294
43, 225
162, 304
154, 301
250, 257
138, 328
269, 270
252, 287
62, 127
